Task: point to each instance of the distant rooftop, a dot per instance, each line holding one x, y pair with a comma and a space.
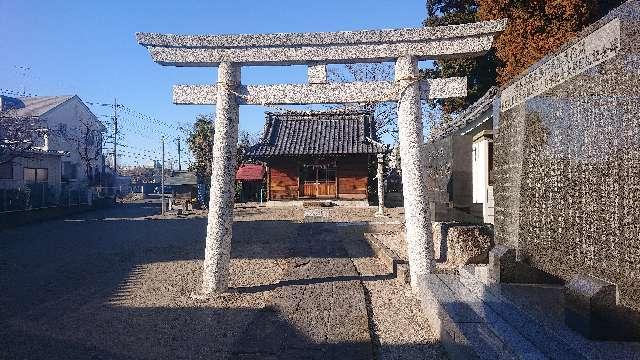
181, 178
467, 117
31, 106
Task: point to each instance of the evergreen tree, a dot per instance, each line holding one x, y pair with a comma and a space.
480, 72
200, 143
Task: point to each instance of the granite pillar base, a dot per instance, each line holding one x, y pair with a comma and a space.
592, 309
504, 267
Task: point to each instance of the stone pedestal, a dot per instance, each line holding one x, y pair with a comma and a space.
468, 244
418, 224
589, 306
220, 221
504, 267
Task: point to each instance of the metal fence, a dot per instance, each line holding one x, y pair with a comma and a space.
38, 196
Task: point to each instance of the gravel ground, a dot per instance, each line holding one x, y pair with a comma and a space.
117, 284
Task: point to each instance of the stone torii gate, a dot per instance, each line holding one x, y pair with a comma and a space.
231, 52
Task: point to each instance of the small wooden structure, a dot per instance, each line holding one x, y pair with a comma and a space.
250, 181
183, 188
320, 155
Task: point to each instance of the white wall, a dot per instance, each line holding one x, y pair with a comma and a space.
480, 170
482, 192
47, 161
73, 113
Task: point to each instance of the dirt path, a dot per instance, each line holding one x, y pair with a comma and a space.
117, 284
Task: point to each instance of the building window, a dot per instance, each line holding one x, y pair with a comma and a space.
42, 175
6, 171
36, 175
69, 170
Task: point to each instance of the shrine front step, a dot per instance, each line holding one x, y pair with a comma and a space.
394, 264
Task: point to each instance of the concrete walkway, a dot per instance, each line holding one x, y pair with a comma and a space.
117, 284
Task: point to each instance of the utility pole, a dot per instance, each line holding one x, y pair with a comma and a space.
115, 137
162, 177
179, 162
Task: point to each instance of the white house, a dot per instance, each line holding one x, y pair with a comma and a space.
476, 123
68, 150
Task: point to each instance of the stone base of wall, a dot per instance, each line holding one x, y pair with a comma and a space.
444, 212
592, 309
12, 219
393, 200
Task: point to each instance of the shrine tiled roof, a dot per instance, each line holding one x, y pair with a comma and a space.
318, 133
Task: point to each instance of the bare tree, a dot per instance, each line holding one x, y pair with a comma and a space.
19, 136
88, 141
385, 113
90, 146
245, 141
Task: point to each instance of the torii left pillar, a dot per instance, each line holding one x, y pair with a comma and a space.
417, 220
221, 197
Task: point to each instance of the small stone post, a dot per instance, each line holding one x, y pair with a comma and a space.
380, 185
417, 220
220, 220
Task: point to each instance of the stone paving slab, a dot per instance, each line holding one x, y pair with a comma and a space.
398, 325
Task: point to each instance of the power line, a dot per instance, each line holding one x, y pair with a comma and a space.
179, 153
124, 120
142, 116
127, 109
115, 136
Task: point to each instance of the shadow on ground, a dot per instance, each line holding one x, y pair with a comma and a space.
59, 280
187, 333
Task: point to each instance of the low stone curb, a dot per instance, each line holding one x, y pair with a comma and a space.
12, 219
399, 267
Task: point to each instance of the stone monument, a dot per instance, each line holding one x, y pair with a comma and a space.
567, 191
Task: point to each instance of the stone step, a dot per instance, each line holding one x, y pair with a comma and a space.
398, 267
467, 327
552, 342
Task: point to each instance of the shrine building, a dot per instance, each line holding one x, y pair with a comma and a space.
318, 155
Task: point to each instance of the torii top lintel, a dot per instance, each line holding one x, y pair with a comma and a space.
327, 47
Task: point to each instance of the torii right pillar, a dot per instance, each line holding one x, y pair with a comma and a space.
417, 220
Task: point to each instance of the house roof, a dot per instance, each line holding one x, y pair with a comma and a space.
467, 117
250, 172
318, 133
181, 178
34, 106
37, 106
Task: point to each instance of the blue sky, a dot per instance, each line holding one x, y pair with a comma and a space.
88, 48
